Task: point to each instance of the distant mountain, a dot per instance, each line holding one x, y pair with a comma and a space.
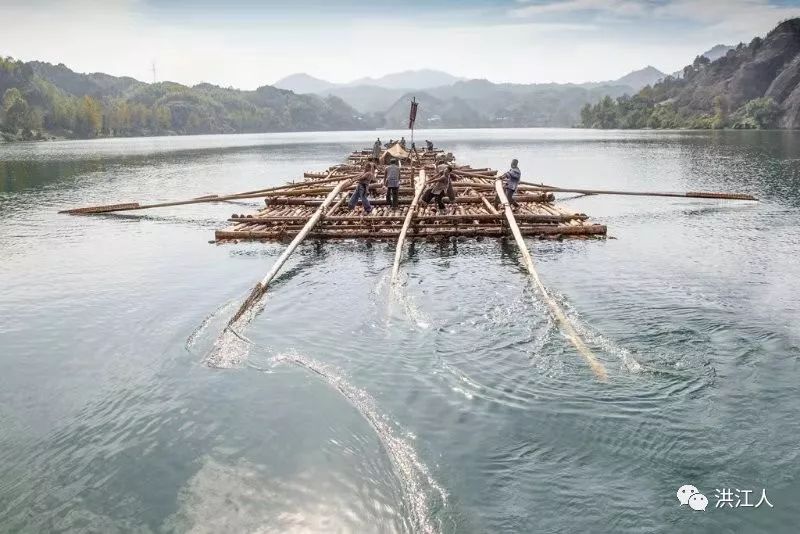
717, 51
302, 83
95, 84
473, 103
366, 98
639, 79
410, 79
750, 86
434, 112
481, 103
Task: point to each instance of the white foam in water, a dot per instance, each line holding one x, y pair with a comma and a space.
410, 308
231, 348
419, 488
595, 338
201, 329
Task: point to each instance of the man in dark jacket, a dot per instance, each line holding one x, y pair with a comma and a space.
392, 181
511, 181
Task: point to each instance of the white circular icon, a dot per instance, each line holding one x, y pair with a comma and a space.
698, 501
686, 491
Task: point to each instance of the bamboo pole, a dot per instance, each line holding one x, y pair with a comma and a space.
562, 319
489, 206
475, 173
261, 287
398, 253
136, 206
689, 194
285, 189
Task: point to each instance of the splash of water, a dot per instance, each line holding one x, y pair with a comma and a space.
420, 490
201, 329
608, 346
406, 302
231, 348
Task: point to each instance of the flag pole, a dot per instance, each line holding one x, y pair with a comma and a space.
412, 117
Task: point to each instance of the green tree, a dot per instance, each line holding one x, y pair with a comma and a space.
761, 113
18, 114
89, 118
161, 118
721, 110
586, 116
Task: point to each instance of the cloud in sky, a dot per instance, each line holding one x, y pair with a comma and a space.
246, 44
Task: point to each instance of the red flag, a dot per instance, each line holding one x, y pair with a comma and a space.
412, 116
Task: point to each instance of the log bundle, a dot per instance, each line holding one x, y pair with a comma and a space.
473, 214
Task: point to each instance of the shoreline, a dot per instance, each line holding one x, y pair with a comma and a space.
6, 138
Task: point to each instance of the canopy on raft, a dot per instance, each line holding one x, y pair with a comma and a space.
394, 152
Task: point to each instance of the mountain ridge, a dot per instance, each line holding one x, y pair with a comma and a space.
39, 97
750, 86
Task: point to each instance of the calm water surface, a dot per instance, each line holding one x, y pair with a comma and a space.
455, 406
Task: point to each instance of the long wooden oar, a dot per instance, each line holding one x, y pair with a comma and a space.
562, 319
136, 206
261, 287
306, 183
398, 253
299, 185
689, 194
130, 206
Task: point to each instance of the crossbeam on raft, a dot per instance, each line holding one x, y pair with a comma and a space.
335, 232
378, 219
311, 201
561, 318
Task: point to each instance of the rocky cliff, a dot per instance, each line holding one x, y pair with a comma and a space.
750, 86
768, 67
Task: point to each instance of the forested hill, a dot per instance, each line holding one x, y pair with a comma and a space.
40, 98
752, 86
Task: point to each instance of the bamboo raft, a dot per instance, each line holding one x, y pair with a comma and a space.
315, 207
473, 214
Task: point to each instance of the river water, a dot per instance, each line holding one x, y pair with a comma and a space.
454, 405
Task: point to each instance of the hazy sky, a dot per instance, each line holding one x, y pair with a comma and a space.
246, 44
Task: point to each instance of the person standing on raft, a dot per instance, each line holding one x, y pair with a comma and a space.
376, 150
392, 181
362, 188
511, 181
438, 187
441, 167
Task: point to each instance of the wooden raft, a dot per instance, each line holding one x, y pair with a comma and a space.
288, 208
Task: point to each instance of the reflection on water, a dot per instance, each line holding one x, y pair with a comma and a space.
452, 404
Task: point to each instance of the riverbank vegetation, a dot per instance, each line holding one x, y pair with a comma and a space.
41, 100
